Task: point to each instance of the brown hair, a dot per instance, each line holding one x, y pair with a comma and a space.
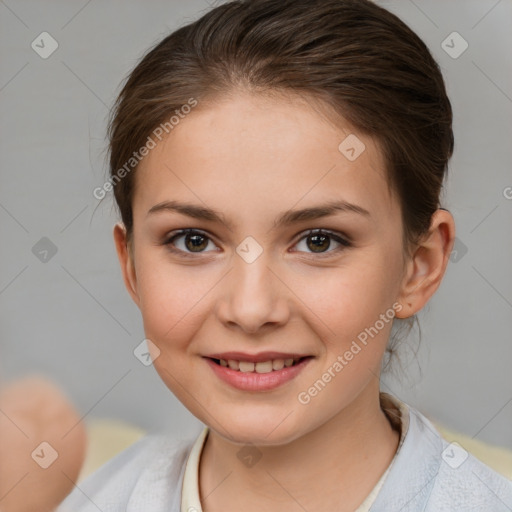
354, 56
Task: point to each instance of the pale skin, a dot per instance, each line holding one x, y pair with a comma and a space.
251, 158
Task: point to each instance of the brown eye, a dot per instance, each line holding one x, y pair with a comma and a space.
319, 242
195, 243
188, 241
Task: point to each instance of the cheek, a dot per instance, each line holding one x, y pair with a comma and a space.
171, 298
350, 298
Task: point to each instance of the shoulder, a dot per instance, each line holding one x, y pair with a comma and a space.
466, 483
433, 475
157, 461
462, 482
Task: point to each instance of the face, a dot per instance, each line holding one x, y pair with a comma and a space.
254, 284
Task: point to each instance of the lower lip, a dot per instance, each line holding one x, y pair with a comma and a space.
252, 381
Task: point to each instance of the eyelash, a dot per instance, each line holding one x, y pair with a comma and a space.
333, 235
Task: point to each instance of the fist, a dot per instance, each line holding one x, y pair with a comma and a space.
42, 446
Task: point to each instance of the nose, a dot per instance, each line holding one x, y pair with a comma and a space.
254, 296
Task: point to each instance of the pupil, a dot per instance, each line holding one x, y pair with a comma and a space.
197, 241
317, 242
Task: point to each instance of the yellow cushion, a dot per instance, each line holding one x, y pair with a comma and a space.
499, 459
107, 438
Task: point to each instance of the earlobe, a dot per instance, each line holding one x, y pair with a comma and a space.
427, 266
126, 261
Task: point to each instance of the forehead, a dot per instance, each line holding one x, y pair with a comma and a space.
258, 151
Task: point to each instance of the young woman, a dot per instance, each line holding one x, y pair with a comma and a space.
277, 166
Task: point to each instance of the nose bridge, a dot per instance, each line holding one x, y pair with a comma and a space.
251, 267
254, 295
252, 278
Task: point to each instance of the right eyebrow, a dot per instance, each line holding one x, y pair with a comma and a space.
191, 210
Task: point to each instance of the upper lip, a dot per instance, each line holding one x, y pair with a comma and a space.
256, 358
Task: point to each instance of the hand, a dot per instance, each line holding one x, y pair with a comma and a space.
33, 411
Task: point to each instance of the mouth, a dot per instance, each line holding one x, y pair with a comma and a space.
268, 366
261, 372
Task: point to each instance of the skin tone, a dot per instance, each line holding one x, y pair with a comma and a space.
33, 410
251, 158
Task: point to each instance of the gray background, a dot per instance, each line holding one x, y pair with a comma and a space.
70, 318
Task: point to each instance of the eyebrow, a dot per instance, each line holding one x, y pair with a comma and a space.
286, 218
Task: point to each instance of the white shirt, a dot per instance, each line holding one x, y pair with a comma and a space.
427, 474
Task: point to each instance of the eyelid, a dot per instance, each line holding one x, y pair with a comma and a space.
324, 231
184, 231
177, 233
340, 238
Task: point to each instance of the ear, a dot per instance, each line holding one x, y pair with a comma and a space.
126, 261
426, 268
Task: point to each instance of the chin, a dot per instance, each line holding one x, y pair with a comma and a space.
258, 428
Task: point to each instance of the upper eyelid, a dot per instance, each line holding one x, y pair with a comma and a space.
182, 232
331, 232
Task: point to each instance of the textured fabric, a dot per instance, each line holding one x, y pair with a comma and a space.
427, 474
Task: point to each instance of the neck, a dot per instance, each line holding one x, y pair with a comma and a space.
333, 467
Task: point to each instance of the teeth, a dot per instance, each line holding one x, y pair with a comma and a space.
261, 367
264, 367
233, 364
277, 364
246, 366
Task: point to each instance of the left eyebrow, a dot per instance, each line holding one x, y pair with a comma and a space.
317, 212
286, 218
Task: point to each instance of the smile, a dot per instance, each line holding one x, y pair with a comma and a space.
257, 375
260, 367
